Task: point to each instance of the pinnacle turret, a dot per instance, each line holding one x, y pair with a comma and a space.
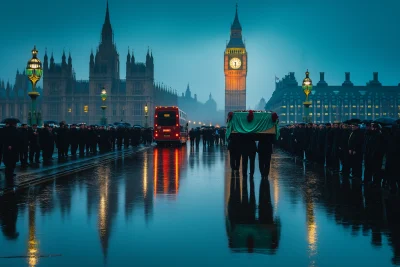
107, 33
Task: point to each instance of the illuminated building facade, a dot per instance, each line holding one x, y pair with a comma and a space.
335, 103
235, 68
65, 98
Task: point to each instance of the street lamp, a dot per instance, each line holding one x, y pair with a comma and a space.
34, 72
307, 87
103, 107
146, 114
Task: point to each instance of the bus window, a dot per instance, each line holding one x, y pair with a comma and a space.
166, 118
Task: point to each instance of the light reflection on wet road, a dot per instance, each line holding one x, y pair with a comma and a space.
182, 206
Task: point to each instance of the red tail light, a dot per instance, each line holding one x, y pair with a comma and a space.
176, 135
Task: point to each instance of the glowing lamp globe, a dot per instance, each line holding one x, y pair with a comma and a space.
103, 94
146, 109
34, 69
307, 84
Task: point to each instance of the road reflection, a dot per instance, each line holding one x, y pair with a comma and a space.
113, 206
248, 232
364, 211
167, 165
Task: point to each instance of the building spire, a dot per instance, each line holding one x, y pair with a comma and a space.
236, 40
107, 33
107, 20
236, 24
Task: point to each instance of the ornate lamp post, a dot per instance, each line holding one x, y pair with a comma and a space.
34, 72
307, 87
104, 107
146, 114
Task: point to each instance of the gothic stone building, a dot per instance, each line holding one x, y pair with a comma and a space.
65, 98
335, 103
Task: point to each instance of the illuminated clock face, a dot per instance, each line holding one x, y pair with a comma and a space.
235, 63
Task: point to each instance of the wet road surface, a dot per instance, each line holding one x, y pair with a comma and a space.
183, 207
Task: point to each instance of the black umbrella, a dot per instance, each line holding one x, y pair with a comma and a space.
10, 121
353, 121
385, 121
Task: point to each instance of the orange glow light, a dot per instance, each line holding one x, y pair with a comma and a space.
176, 171
155, 171
166, 170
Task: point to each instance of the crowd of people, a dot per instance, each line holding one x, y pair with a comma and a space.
30, 145
367, 151
209, 135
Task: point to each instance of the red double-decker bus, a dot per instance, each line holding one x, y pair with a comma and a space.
170, 125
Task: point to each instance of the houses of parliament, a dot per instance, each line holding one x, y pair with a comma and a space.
63, 97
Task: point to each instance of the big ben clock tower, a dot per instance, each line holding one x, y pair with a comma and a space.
235, 68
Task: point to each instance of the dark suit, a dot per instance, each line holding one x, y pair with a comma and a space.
248, 151
234, 151
11, 145
356, 141
34, 145
264, 154
24, 146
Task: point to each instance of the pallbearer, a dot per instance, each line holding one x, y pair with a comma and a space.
264, 154
246, 127
248, 149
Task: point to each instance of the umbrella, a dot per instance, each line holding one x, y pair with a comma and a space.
352, 121
385, 121
10, 121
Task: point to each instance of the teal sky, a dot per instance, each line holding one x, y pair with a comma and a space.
188, 39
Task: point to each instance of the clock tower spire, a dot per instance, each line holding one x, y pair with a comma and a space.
235, 68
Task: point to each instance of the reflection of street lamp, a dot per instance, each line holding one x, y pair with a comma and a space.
34, 72
103, 107
307, 87
146, 114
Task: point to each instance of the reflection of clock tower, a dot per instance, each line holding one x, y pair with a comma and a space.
235, 67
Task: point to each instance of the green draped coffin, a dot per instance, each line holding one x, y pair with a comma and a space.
262, 123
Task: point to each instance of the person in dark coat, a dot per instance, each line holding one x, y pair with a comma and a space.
321, 139
120, 136
82, 136
355, 146
197, 134
1, 145
47, 143
126, 138
374, 152
34, 144
344, 149
222, 136
264, 154
92, 139
248, 149
234, 152
11, 145
113, 136
61, 140
393, 158
192, 137
332, 147
24, 145
74, 139
313, 143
